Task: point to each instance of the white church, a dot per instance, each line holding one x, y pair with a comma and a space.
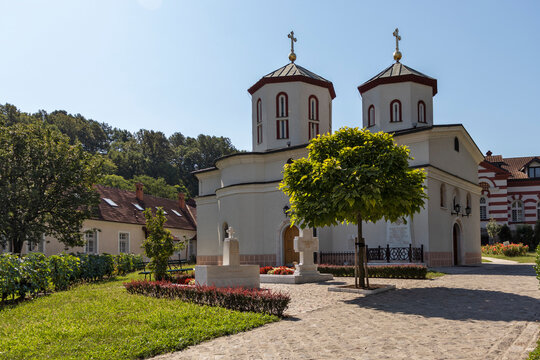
290, 106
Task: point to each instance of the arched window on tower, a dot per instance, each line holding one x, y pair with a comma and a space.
259, 122
395, 111
456, 144
371, 116
282, 116
313, 116
517, 211
483, 208
421, 112
443, 195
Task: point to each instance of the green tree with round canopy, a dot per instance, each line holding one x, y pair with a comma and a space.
352, 176
45, 186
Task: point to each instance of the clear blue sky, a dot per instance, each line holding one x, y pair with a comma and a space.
186, 65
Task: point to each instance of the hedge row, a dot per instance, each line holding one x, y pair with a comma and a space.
380, 271
256, 300
35, 273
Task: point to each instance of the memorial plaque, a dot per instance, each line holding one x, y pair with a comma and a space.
398, 234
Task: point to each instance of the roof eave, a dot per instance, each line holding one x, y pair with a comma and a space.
370, 84
293, 78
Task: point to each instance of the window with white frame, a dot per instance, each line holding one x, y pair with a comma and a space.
371, 115
33, 247
517, 211
313, 129
123, 242
534, 172
91, 246
259, 122
395, 111
313, 116
421, 112
282, 114
483, 209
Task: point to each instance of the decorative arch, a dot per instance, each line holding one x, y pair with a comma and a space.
282, 105
224, 228
457, 235
395, 111
259, 122
442, 194
371, 115
313, 108
422, 112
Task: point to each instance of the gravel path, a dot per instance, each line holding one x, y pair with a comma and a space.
488, 312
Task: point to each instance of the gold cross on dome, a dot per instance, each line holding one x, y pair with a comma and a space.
396, 34
292, 55
397, 53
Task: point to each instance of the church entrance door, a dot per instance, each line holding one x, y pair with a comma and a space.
288, 245
455, 244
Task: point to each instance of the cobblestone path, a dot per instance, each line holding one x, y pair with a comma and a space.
486, 312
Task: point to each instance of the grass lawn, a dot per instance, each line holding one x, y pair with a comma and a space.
103, 321
535, 354
529, 258
434, 274
486, 260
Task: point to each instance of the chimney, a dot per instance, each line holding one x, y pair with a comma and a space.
182, 200
139, 191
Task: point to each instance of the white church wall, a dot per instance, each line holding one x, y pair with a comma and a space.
409, 94
460, 163
209, 182
441, 220
298, 94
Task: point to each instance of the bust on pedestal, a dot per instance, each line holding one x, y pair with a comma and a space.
231, 273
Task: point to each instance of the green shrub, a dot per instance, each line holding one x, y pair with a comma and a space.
255, 300
525, 235
35, 273
379, 271
64, 270
505, 234
10, 274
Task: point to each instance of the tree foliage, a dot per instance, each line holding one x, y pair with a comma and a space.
159, 245
127, 154
493, 229
45, 185
156, 187
352, 176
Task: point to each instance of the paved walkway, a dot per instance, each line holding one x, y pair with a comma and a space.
487, 312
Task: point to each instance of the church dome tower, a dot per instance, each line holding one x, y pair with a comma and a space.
290, 106
397, 98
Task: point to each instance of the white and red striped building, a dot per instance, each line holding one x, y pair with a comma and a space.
510, 190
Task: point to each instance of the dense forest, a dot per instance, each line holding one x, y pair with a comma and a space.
163, 164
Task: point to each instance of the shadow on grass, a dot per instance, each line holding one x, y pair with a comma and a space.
454, 304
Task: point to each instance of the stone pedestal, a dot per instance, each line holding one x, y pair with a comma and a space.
231, 273
246, 276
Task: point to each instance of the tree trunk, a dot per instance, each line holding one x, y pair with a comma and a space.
360, 268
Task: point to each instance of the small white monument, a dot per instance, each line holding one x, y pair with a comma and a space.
231, 273
306, 270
